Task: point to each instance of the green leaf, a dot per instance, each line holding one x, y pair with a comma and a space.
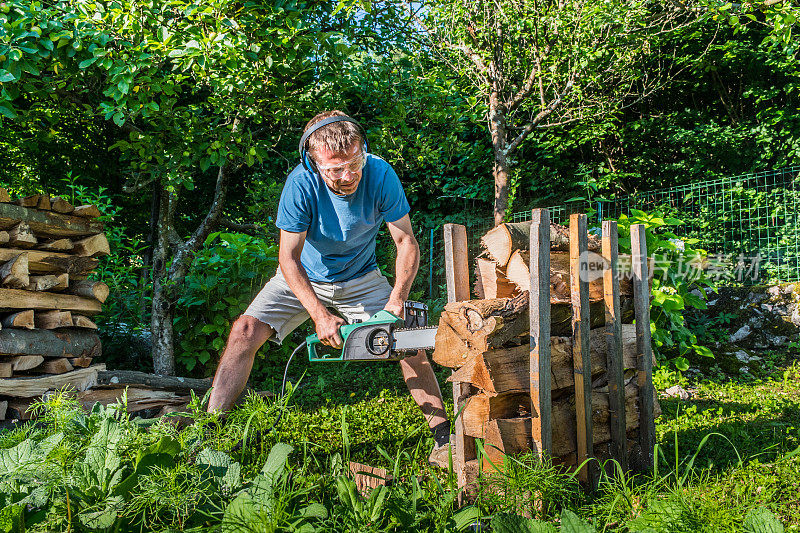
571, 523
87, 62
276, 460
681, 363
702, 350
513, 523
6, 76
761, 520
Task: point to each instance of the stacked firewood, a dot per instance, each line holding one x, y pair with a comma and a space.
487, 342
48, 340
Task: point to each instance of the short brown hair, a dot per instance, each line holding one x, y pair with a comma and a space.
338, 137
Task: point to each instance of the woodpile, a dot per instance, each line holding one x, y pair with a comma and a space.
487, 343
48, 339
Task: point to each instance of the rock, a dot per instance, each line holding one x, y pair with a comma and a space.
789, 289
774, 291
767, 307
776, 340
756, 322
744, 370
755, 297
698, 293
742, 356
741, 334
677, 391
795, 318
712, 303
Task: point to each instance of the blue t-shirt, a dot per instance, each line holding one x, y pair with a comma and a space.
341, 230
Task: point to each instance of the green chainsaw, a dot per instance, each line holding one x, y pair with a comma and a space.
384, 337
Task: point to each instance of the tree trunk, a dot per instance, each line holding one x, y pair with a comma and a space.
161, 319
497, 127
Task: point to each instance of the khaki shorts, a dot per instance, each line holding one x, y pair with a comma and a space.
356, 299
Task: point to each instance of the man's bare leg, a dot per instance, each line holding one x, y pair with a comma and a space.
247, 335
421, 382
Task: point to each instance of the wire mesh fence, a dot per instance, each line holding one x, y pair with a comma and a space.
753, 217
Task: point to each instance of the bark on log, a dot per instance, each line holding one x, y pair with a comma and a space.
48, 282
19, 299
22, 319
41, 262
90, 289
14, 272
4, 196
94, 246
57, 245
490, 282
18, 409
21, 236
53, 319
124, 378
34, 387
501, 241
506, 369
63, 343
59, 205
48, 224
4, 237
3, 409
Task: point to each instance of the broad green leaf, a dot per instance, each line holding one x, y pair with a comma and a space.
571, 523
513, 523
761, 520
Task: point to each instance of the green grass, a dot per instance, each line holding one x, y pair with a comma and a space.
728, 462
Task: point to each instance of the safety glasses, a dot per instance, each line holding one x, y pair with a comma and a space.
335, 172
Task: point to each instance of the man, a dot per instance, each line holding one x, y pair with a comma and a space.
329, 214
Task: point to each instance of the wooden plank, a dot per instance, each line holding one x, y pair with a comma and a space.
138, 399
86, 211
539, 337
48, 282
22, 319
80, 380
53, 319
4, 196
37, 201
54, 366
132, 378
369, 477
3, 409
19, 299
80, 362
457, 276
42, 262
614, 362
57, 245
94, 246
14, 272
641, 298
6, 371
49, 343
59, 205
21, 236
80, 321
579, 290
21, 363
18, 409
48, 223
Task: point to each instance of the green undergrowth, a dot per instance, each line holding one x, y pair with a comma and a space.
728, 461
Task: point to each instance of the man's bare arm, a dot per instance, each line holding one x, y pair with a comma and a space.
327, 324
406, 265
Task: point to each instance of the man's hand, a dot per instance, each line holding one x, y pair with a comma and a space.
396, 307
328, 329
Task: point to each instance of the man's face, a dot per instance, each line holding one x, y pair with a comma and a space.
341, 172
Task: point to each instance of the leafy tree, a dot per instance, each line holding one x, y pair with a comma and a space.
199, 90
536, 65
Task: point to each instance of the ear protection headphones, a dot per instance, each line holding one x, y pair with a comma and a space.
308, 162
